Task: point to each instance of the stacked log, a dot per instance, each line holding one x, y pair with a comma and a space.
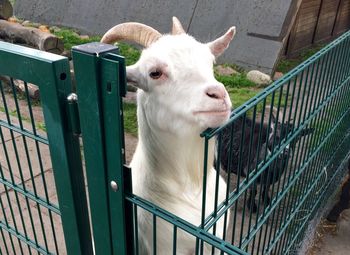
6, 10
38, 38
33, 37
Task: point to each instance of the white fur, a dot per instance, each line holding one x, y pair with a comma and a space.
167, 167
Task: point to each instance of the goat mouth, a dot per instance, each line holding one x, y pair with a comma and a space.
213, 112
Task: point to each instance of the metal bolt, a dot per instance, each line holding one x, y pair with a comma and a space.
72, 97
114, 186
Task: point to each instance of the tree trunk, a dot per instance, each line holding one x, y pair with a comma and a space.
6, 10
16, 33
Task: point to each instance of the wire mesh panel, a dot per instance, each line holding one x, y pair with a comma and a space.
36, 194
280, 153
28, 197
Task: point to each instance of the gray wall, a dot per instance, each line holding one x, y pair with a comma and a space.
259, 22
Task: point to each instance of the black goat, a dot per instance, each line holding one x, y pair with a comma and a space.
240, 152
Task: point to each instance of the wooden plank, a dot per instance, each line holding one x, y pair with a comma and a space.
326, 21
310, 4
343, 18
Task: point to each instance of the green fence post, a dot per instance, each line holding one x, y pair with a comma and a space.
100, 79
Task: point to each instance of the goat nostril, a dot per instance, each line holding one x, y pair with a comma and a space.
216, 92
213, 95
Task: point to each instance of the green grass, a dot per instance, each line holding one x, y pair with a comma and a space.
70, 38
13, 113
130, 53
130, 119
241, 95
235, 81
238, 86
285, 65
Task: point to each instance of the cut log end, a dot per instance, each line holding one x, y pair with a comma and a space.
6, 10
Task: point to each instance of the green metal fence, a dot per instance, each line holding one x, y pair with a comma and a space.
40, 159
293, 142
281, 154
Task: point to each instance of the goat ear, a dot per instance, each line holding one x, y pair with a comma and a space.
219, 45
133, 75
177, 28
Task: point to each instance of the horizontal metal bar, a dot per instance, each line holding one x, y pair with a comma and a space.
186, 226
26, 240
31, 196
23, 132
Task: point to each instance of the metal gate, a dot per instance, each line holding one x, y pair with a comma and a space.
32, 218
281, 155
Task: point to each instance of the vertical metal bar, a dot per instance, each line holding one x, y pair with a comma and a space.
228, 180
11, 172
204, 192
66, 156
86, 67
3, 237
248, 173
154, 234
136, 238
29, 164
256, 166
215, 206
3, 210
100, 76
111, 89
174, 240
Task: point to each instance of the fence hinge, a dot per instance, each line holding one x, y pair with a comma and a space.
73, 113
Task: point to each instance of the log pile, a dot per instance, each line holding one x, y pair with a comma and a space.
38, 38
33, 37
6, 10
13, 32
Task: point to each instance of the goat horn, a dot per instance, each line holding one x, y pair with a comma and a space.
177, 27
132, 31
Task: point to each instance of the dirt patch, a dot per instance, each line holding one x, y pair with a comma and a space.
332, 238
130, 146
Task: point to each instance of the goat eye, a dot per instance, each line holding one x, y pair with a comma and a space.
155, 74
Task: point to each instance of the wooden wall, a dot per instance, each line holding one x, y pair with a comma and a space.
317, 21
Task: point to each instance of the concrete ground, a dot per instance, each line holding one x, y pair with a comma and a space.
23, 178
333, 239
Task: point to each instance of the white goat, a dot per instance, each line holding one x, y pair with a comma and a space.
178, 98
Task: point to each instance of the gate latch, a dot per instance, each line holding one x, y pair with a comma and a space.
73, 113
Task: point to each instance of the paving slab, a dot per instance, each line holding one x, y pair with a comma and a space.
25, 157
44, 229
